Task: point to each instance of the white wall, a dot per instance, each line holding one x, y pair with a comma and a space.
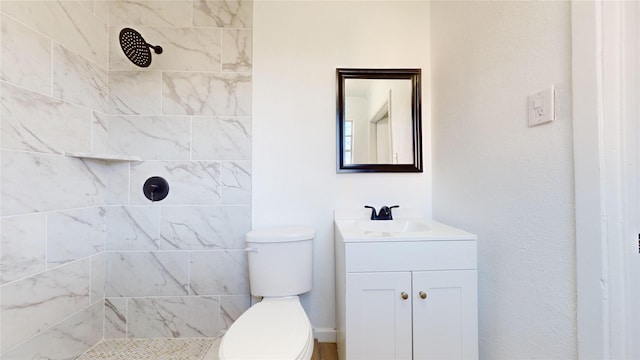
297, 47
494, 176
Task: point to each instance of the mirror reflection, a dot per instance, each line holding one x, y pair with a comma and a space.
378, 119
378, 128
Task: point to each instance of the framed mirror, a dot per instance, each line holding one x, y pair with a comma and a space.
379, 120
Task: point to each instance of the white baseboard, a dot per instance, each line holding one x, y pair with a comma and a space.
325, 335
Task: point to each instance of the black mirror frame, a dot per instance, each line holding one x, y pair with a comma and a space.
416, 110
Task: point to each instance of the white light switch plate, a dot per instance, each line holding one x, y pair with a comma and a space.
541, 107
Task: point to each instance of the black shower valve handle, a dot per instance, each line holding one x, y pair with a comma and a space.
155, 188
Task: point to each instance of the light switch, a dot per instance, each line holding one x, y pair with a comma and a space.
537, 103
542, 107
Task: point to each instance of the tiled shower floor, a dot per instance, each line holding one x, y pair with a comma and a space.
154, 349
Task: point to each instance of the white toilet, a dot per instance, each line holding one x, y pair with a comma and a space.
280, 268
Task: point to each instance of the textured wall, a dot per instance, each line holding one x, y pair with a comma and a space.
494, 176
53, 83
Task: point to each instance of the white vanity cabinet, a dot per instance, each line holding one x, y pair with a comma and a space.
407, 297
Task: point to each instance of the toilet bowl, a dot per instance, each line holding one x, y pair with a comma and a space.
275, 328
280, 268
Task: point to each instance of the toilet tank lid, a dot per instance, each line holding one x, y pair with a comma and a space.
280, 234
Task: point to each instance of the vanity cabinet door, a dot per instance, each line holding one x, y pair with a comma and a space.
445, 316
378, 320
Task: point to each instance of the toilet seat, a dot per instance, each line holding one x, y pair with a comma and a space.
275, 328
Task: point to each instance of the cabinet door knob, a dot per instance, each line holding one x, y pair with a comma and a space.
423, 295
404, 295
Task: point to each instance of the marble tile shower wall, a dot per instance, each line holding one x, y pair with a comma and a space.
177, 268
53, 85
76, 232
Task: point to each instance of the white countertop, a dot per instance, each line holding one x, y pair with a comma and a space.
348, 230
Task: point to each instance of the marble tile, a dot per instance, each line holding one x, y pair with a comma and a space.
217, 94
236, 182
150, 13
231, 307
26, 57
115, 318
133, 228
151, 137
31, 305
67, 340
190, 182
223, 13
118, 183
74, 234
67, 22
77, 183
79, 81
236, 50
99, 133
219, 273
101, 10
184, 49
89, 4
23, 245
221, 138
35, 122
204, 227
174, 317
146, 273
135, 92
97, 277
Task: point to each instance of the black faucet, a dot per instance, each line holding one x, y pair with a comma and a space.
383, 214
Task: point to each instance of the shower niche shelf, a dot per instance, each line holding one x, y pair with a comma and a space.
108, 157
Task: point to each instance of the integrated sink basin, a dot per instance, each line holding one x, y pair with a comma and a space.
355, 226
393, 226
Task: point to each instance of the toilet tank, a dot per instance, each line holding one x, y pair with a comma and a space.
280, 261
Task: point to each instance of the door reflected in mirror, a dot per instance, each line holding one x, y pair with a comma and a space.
379, 120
